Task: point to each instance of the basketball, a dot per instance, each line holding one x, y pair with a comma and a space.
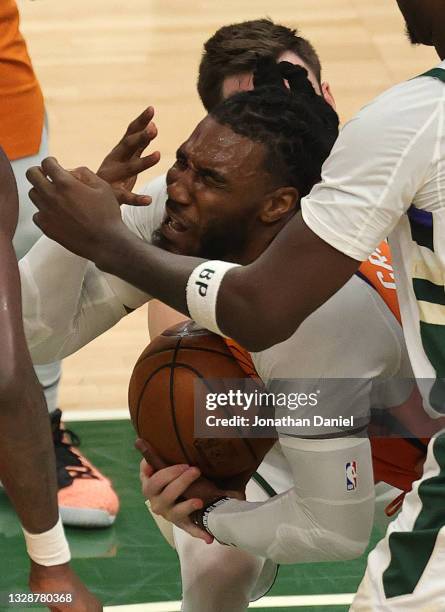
162, 402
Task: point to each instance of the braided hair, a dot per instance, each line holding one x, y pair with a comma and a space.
296, 126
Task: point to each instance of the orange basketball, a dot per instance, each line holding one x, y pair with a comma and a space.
162, 402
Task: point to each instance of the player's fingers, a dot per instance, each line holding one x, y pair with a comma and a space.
149, 454
152, 132
145, 470
139, 164
133, 199
141, 121
39, 200
59, 176
179, 485
132, 143
189, 526
155, 485
182, 510
38, 179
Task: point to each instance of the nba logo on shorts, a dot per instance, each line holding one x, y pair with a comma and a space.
351, 476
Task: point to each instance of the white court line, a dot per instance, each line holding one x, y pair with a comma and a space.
106, 414
287, 601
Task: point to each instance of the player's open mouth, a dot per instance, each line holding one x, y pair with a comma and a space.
170, 225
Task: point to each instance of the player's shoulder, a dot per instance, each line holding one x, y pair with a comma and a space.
407, 102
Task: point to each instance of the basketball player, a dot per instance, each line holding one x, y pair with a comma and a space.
27, 466
86, 497
226, 67
391, 157
225, 178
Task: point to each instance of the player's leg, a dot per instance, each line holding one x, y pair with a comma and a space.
405, 570
86, 497
215, 578
26, 235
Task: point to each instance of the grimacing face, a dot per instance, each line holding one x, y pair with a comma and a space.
215, 190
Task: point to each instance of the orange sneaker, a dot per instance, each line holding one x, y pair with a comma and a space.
86, 497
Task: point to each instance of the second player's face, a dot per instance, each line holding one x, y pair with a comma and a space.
244, 80
215, 190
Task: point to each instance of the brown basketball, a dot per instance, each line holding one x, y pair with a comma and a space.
162, 402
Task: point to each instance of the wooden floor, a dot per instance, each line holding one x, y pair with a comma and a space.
100, 62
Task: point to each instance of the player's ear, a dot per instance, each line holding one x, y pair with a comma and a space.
328, 95
279, 204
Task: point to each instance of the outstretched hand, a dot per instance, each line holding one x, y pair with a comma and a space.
122, 165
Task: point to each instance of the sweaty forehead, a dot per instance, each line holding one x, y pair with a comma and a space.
218, 147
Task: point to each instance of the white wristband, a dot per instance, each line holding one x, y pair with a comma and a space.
48, 548
202, 292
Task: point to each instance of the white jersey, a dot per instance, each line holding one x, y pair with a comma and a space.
67, 302
386, 177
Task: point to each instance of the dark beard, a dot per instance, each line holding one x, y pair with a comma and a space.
224, 240
220, 240
159, 240
412, 37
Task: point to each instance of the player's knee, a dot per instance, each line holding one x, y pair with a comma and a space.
237, 574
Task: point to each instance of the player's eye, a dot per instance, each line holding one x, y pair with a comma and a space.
210, 180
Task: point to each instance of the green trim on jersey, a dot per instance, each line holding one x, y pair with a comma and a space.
436, 73
433, 338
426, 291
411, 550
262, 482
430, 296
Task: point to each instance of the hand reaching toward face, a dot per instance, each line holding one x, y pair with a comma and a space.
79, 210
122, 165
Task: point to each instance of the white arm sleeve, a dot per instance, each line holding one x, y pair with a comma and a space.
326, 516
67, 301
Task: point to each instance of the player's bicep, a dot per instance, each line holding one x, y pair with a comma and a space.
296, 274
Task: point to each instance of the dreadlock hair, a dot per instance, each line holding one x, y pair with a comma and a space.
296, 126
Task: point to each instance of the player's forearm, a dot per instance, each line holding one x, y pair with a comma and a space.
258, 305
154, 271
164, 275
299, 526
27, 466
